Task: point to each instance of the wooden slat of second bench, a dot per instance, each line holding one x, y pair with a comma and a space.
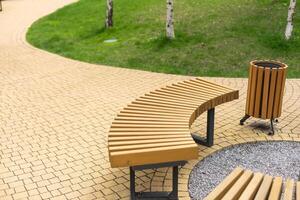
276, 189
298, 191
264, 188
289, 188
252, 188
225, 185
239, 186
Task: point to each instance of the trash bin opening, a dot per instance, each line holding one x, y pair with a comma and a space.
268, 64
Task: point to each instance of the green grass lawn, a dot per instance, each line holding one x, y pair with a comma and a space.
213, 37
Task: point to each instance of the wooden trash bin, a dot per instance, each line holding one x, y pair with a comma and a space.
265, 90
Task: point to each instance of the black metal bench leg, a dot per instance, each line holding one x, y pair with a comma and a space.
173, 195
210, 126
132, 184
209, 141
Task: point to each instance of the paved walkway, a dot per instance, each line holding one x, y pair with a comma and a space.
55, 114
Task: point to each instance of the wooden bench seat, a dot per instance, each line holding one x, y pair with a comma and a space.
243, 184
154, 129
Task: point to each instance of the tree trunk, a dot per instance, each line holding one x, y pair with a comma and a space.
109, 14
169, 24
289, 26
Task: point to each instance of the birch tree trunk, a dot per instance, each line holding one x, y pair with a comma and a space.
169, 24
109, 14
289, 26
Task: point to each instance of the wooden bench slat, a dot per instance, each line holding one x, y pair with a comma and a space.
213, 94
176, 94
225, 185
151, 116
229, 94
167, 100
276, 189
153, 155
163, 104
236, 190
289, 188
226, 96
153, 113
158, 110
264, 188
211, 84
196, 90
191, 91
150, 141
149, 129
183, 92
148, 119
148, 122
298, 191
151, 145
144, 137
146, 126
252, 188
184, 95
147, 133
174, 98
202, 88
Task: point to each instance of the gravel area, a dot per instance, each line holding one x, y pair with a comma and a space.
273, 158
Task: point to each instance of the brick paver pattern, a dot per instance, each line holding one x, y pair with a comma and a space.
55, 114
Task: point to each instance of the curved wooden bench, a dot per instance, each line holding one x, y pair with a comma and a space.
245, 185
154, 130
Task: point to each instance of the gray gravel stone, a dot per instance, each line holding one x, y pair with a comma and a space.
273, 158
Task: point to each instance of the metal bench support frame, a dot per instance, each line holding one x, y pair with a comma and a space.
209, 140
272, 131
156, 195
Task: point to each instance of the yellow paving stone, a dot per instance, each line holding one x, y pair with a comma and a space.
72, 195
61, 197
33, 192
2, 193
21, 195
35, 197
46, 195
